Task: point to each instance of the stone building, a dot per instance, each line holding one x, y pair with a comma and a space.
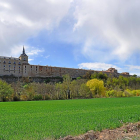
13, 66
19, 67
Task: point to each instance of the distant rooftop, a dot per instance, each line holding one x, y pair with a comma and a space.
5, 57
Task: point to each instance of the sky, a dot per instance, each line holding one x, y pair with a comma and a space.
87, 34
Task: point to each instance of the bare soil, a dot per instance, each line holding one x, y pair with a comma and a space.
130, 131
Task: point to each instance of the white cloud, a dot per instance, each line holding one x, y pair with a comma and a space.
30, 60
47, 56
108, 25
34, 51
5, 5
108, 29
97, 66
134, 69
20, 20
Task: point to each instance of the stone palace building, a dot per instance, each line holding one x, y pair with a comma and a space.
20, 67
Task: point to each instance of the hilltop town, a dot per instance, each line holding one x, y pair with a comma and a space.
20, 67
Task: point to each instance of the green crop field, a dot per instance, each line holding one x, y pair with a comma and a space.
52, 119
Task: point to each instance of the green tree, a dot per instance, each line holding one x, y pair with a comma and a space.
60, 91
87, 75
97, 87
66, 84
5, 91
85, 91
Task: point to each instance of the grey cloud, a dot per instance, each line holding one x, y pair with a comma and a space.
113, 25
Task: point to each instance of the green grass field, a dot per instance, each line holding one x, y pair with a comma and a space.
44, 119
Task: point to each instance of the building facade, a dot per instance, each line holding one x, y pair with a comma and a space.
19, 67
13, 66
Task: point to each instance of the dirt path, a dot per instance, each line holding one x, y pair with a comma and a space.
126, 132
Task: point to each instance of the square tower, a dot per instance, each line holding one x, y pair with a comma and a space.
23, 57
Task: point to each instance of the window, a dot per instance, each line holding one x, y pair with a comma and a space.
19, 63
14, 63
9, 65
24, 59
4, 62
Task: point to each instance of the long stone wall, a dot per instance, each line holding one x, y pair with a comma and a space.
48, 71
54, 76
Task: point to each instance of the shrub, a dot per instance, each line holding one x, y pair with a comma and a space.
127, 93
15, 98
37, 97
24, 97
111, 93
136, 92
114, 93
47, 97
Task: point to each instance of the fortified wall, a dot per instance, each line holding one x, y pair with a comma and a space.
19, 67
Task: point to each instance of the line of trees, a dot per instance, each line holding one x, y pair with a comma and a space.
87, 86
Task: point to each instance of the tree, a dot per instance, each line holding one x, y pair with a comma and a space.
29, 92
87, 75
94, 75
17, 87
60, 91
74, 88
96, 87
85, 91
66, 84
99, 75
5, 91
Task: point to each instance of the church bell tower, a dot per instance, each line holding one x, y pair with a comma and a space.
23, 57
